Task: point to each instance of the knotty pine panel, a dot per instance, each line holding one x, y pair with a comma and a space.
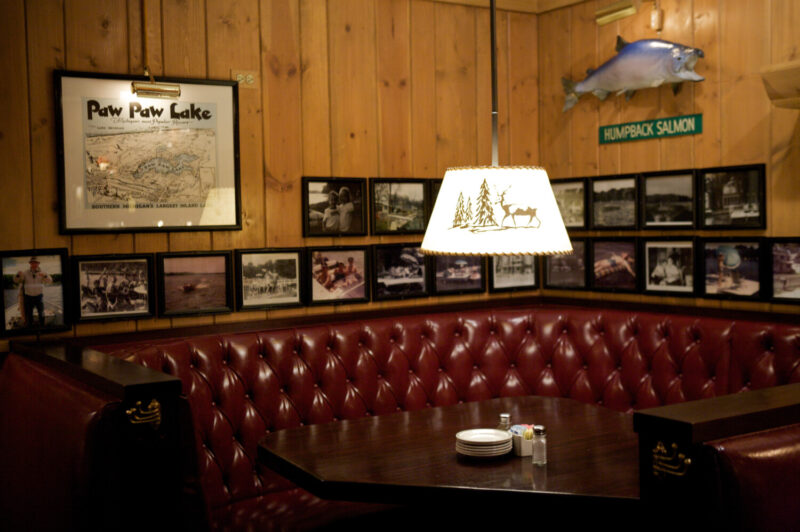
584, 116
423, 90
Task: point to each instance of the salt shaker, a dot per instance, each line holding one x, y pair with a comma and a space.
505, 422
539, 445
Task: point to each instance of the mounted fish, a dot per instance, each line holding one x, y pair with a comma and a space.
637, 65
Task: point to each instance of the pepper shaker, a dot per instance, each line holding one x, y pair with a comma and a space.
505, 422
539, 445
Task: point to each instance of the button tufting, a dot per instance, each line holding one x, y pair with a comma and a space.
549, 365
512, 365
586, 366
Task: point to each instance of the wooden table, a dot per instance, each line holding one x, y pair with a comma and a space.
410, 457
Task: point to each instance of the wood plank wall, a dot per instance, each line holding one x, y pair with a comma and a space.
740, 126
385, 88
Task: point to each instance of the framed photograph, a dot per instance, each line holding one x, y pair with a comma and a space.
733, 197
398, 206
613, 203
338, 275
731, 268
400, 271
334, 206
567, 272
669, 266
614, 265
33, 291
668, 200
433, 192
508, 273
132, 163
109, 287
455, 274
269, 278
785, 270
194, 283
571, 198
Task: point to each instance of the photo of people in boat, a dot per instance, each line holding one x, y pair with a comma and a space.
399, 272
457, 274
110, 288
33, 292
338, 274
669, 266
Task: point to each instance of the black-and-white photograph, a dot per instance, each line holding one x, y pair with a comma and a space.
567, 271
614, 265
195, 283
512, 272
398, 206
614, 203
732, 268
269, 278
112, 287
455, 274
33, 291
733, 197
333, 206
786, 269
571, 198
668, 200
400, 272
669, 266
339, 275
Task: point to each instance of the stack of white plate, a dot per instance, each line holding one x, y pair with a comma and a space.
483, 442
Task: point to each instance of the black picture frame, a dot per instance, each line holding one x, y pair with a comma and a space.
398, 206
784, 279
434, 185
744, 263
400, 271
669, 266
456, 274
667, 200
568, 271
612, 207
113, 287
112, 181
54, 309
194, 283
612, 267
512, 273
318, 214
732, 197
268, 278
332, 280
573, 204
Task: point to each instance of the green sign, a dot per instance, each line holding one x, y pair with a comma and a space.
652, 129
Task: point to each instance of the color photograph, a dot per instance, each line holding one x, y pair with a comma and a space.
398, 206
668, 201
113, 287
33, 291
269, 278
399, 272
195, 284
338, 274
571, 199
334, 207
732, 269
669, 266
733, 197
510, 272
458, 274
786, 270
614, 265
567, 271
614, 202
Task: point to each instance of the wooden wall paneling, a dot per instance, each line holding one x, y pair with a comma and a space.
394, 87
523, 114
45, 39
315, 88
584, 125
784, 189
423, 90
677, 152
609, 111
555, 57
455, 87
483, 78
708, 145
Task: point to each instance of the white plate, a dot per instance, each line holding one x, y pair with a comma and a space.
483, 453
483, 437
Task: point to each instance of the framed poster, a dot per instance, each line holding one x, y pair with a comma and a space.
194, 283
508, 273
110, 287
456, 274
614, 265
398, 206
33, 291
130, 163
785, 270
613, 202
732, 267
334, 206
571, 198
668, 200
269, 278
733, 197
338, 275
567, 272
400, 271
669, 266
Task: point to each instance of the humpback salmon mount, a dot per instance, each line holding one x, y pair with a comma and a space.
637, 65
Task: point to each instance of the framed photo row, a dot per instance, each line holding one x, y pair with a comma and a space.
710, 198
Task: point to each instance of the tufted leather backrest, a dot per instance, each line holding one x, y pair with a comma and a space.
241, 386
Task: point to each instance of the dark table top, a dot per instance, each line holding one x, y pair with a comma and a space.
410, 457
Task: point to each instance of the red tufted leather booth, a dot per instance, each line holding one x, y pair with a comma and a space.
241, 386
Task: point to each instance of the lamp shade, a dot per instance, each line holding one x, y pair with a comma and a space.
491, 210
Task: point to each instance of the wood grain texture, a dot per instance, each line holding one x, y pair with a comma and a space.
523, 69
554, 64
584, 117
423, 89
